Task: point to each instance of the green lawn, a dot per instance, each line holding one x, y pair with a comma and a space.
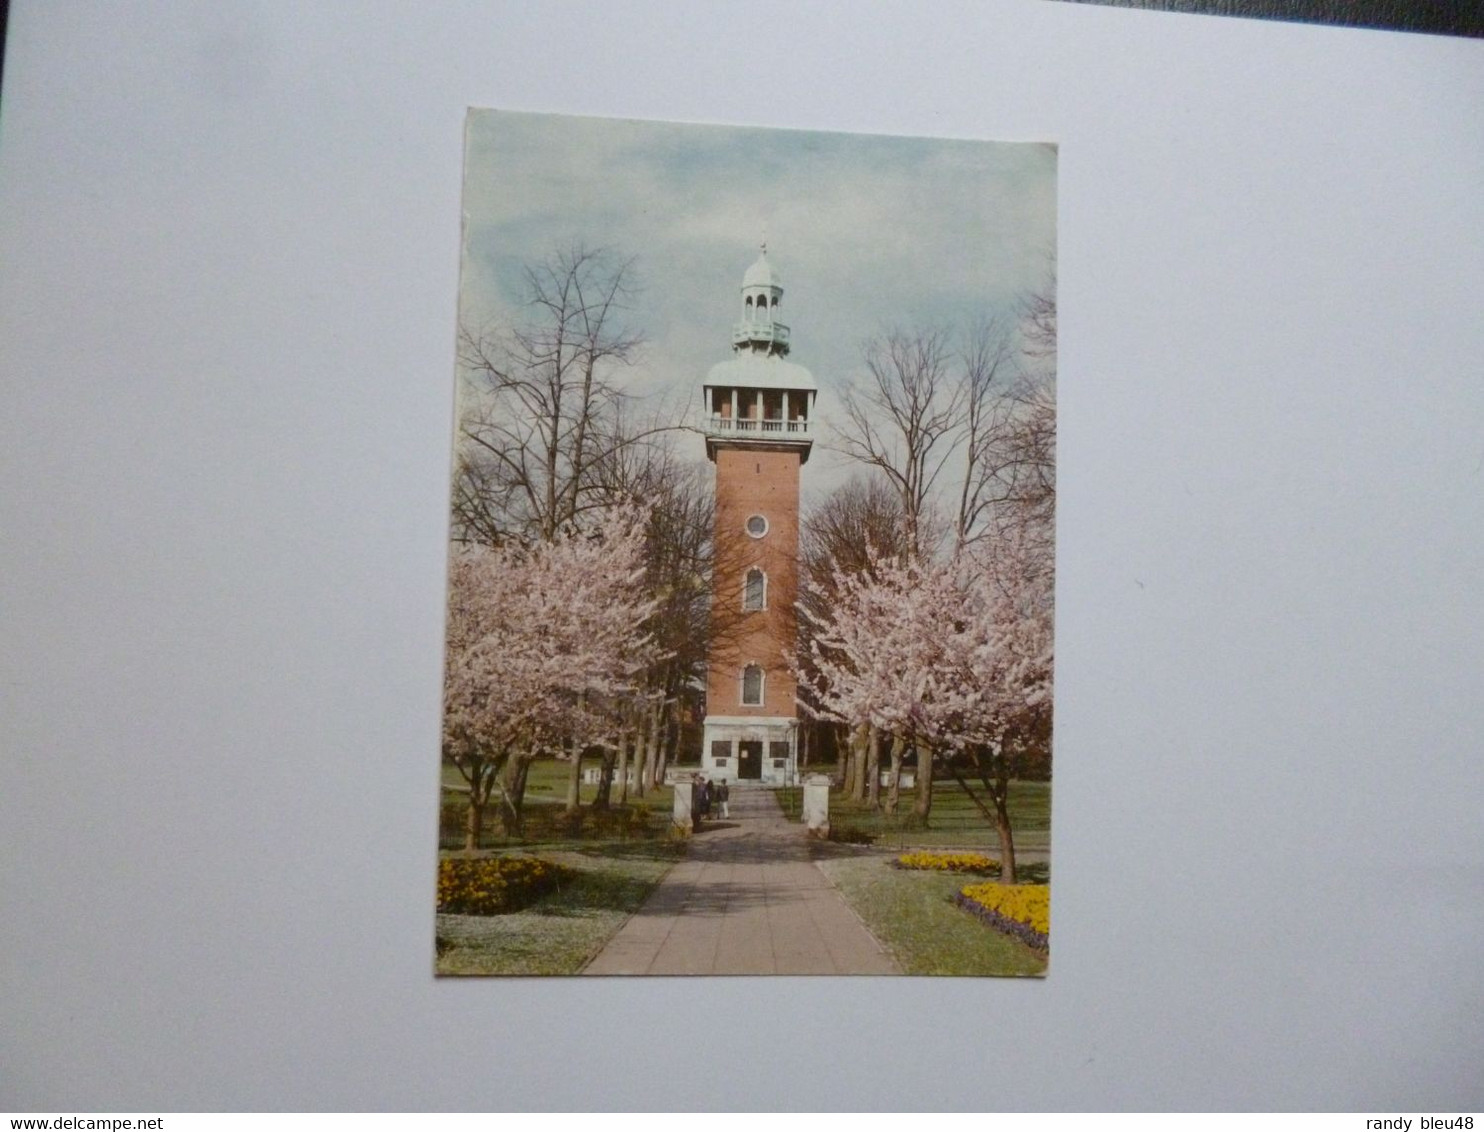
562, 931
954, 820
911, 913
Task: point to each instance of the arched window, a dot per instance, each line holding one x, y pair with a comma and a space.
752, 686
747, 309
762, 306
754, 590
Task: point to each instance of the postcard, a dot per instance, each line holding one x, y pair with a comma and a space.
749, 663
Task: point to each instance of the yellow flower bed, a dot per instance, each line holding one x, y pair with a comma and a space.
487, 886
949, 862
1026, 907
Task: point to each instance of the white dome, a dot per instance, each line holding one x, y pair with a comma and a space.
759, 371
762, 274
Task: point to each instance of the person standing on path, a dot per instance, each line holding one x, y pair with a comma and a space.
722, 795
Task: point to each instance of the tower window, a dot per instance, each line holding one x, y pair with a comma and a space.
752, 686
757, 526
754, 590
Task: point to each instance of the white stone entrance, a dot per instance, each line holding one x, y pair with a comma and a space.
748, 749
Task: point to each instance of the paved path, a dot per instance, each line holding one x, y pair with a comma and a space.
746, 900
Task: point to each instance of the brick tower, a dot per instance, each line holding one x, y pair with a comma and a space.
759, 410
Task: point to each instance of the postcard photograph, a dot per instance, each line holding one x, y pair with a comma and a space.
749, 646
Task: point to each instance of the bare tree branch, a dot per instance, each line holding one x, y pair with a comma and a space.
541, 399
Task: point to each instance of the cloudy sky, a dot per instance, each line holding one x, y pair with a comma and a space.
867, 232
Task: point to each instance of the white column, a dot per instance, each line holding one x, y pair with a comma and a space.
816, 806
734, 406
760, 409
785, 410
682, 815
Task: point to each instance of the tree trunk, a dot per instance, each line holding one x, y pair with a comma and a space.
478, 775
873, 768
894, 787
858, 740
605, 779
652, 748
923, 807
1007, 839
623, 765
475, 824
641, 758
999, 793
669, 741
843, 755
574, 780
513, 793
806, 733
999, 817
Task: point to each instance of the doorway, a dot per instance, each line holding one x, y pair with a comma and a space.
750, 759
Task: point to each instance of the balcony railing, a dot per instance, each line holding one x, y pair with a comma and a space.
745, 331
750, 428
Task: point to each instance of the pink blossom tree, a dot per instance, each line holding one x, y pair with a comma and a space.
951, 657
540, 639
1006, 728
889, 652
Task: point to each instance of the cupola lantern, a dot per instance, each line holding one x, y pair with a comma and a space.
757, 397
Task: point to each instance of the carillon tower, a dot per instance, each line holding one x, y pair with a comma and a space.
759, 411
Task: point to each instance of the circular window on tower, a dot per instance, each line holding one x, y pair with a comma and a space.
757, 526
